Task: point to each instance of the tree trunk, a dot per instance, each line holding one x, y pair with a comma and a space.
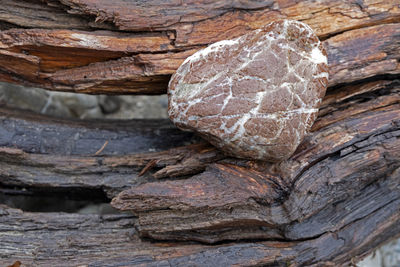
128, 47
333, 201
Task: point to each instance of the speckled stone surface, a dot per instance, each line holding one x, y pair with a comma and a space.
255, 96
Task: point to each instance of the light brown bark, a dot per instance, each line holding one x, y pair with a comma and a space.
126, 47
333, 201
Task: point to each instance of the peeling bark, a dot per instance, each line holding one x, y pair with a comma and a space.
332, 202
336, 169
337, 198
126, 47
111, 241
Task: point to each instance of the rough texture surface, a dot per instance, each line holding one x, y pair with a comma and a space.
102, 48
30, 146
97, 46
336, 199
60, 239
255, 96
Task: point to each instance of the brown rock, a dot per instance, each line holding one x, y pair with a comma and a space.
255, 96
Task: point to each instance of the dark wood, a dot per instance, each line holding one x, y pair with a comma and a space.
336, 199
130, 47
57, 239
36, 133
40, 151
343, 163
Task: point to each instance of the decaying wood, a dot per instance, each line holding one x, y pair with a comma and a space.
344, 162
32, 155
336, 199
333, 201
127, 47
35, 133
56, 239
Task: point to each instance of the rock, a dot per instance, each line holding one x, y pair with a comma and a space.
74, 105
58, 104
255, 96
140, 107
387, 255
80, 105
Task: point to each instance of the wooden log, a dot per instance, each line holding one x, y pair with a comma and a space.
342, 163
60, 239
332, 202
126, 47
39, 152
36, 133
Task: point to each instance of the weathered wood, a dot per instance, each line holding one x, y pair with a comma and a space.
333, 201
127, 47
56, 239
36, 133
336, 199
32, 153
111, 174
39, 151
355, 156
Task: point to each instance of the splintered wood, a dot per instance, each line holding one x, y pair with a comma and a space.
99, 47
335, 200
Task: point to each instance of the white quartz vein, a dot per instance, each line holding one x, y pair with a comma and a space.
236, 133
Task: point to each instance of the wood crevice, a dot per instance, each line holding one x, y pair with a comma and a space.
335, 200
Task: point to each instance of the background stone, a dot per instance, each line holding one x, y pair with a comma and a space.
71, 105
387, 255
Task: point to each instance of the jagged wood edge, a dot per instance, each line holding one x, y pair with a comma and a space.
110, 240
68, 54
238, 199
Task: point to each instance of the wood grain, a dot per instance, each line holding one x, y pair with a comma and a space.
334, 201
127, 47
111, 241
264, 200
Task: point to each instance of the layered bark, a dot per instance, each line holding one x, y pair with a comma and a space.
321, 188
128, 47
38, 151
54, 239
332, 202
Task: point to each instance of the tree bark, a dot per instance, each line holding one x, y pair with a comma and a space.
60, 239
323, 187
41, 152
333, 201
127, 47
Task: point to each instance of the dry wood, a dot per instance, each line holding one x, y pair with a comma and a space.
127, 47
56, 239
33, 155
334, 200
285, 200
